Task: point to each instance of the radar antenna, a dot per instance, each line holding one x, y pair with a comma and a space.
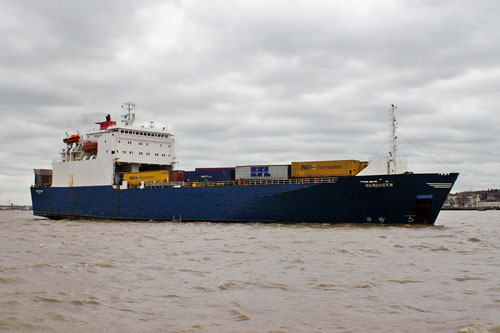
129, 116
393, 146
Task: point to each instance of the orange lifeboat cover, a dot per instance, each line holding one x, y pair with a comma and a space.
72, 139
90, 146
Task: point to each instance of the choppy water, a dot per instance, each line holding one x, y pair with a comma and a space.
200, 277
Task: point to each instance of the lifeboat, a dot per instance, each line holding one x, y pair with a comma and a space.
72, 139
90, 146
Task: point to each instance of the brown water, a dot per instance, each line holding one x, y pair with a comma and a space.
84, 276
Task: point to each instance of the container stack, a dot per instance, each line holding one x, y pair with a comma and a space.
209, 175
176, 175
43, 177
136, 178
263, 171
317, 169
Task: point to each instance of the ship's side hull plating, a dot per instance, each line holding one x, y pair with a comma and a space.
409, 198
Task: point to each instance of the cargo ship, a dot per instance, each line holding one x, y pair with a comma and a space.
128, 172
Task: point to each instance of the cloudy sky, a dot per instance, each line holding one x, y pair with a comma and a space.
242, 82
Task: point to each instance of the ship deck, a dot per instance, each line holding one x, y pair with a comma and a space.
241, 182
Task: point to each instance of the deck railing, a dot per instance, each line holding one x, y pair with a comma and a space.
241, 182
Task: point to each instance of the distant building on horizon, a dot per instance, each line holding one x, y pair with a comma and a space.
481, 199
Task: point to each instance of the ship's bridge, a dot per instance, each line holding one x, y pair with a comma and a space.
104, 153
135, 145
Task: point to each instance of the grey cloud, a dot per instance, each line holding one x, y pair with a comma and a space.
255, 82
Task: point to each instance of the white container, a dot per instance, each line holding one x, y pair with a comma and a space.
262, 172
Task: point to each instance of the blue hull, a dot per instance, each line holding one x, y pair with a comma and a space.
409, 198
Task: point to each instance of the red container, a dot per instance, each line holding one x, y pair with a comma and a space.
176, 175
214, 169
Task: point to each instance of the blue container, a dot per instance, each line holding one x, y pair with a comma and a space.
209, 176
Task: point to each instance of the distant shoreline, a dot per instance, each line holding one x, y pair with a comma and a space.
16, 208
470, 208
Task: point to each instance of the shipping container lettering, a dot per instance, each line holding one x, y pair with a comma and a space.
320, 167
261, 171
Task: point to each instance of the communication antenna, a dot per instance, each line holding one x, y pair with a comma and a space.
129, 115
393, 146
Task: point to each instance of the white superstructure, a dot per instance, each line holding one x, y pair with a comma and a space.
101, 155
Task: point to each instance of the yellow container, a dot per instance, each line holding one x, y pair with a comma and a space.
319, 169
136, 178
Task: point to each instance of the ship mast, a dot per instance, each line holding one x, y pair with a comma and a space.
393, 148
129, 116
